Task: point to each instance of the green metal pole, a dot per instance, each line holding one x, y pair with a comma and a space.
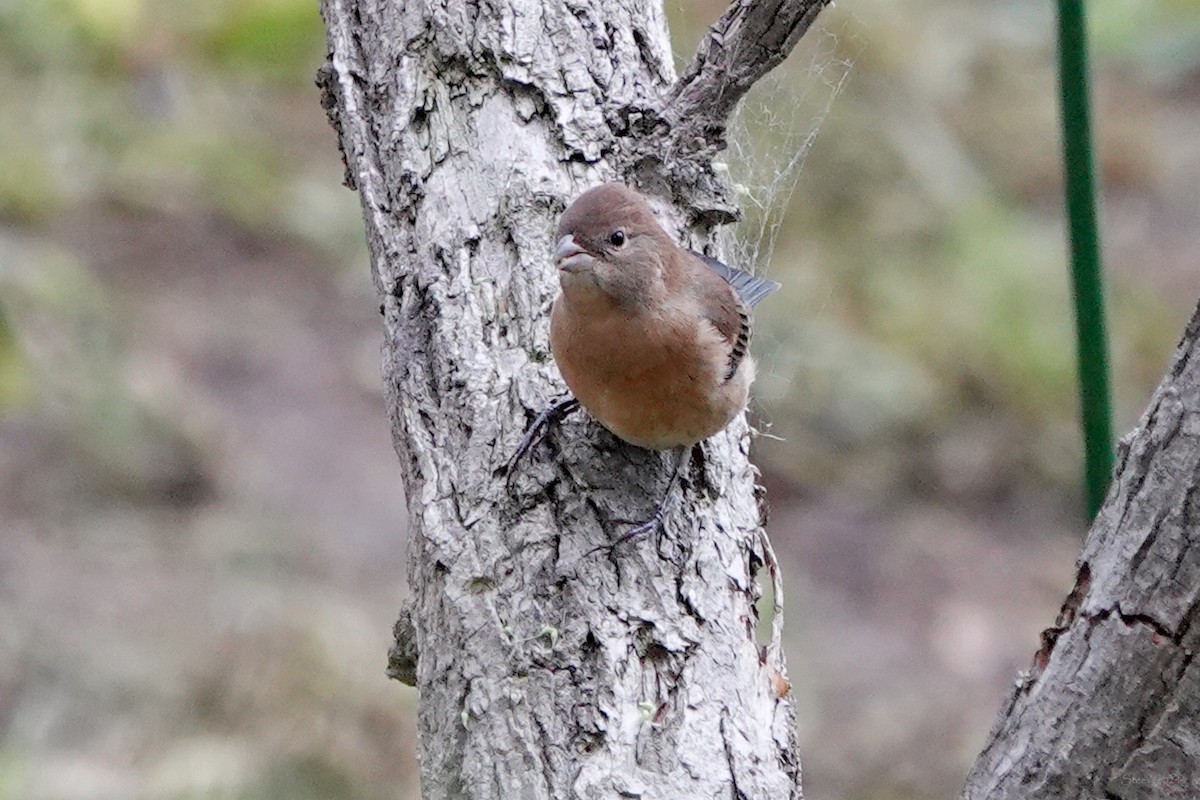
1086, 275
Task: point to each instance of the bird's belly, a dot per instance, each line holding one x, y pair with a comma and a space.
660, 414
650, 392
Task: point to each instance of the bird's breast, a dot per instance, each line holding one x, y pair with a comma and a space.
655, 379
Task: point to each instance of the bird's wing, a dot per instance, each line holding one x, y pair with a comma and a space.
725, 307
748, 287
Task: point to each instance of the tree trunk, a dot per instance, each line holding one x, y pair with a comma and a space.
548, 665
1111, 706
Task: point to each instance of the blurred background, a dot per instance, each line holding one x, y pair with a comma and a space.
201, 524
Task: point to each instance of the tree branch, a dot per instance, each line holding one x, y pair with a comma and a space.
681, 136
748, 41
1111, 705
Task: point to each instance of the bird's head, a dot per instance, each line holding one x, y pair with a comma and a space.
611, 246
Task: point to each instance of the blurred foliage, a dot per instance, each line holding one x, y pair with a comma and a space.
270, 38
924, 242
275, 40
71, 366
163, 104
1162, 36
16, 379
155, 105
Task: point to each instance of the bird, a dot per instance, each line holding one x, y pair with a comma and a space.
652, 339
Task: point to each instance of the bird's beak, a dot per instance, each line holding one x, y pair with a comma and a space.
569, 256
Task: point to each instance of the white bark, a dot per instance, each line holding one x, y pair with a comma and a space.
548, 668
1111, 707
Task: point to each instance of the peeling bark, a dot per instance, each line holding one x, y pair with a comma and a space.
549, 666
1111, 706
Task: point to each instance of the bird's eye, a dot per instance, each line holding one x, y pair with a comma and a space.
617, 237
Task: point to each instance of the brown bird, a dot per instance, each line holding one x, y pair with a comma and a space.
651, 339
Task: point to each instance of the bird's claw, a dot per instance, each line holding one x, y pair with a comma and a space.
650, 525
640, 528
553, 414
656, 521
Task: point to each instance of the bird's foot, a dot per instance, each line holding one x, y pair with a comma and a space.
555, 413
651, 525
655, 522
639, 528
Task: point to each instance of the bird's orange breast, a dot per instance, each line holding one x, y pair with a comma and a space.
654, 381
